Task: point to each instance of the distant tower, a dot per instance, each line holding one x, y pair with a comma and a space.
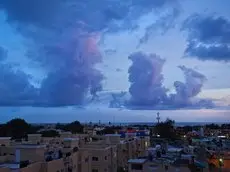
158, 117
201, 132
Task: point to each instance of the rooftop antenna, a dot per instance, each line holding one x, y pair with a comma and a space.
158, 117
113, 120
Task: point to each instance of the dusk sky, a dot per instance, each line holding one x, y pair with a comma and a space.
171, 56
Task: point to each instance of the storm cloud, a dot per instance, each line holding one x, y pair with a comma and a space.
3, 54
145, 76
161, 25
61, 38
194, 82
208, 37
15, 87
147, 90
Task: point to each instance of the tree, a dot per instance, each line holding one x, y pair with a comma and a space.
213, 126
107, 130
50, 133
74, 127
16, 129
166, 129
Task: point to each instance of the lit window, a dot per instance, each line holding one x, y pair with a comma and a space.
146, 144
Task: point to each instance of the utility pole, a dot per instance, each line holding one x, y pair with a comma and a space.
158, 117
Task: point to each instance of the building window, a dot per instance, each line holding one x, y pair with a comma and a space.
94, 158
86, 159
94, 170
136, 167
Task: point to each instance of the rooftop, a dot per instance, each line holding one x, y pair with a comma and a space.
11, 166
25, 146
118, 135
5, 138
137, 161
95, 146
34, 135
70, 139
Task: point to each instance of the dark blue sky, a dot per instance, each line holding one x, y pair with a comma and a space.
165, 53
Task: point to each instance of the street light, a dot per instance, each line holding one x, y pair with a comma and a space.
221, 163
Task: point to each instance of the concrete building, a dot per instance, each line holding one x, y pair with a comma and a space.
5, 141
103, 157
71, 153
34, 138
143, 165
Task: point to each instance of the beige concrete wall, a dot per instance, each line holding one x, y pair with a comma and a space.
7, 150
36, 167
75, 160
5, 141
55, 165
122, 155
7, 158
33, 154
5, 170
85, 161
65, 135
34, 138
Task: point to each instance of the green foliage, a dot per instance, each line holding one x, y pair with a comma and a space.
166, 129
108, 130
16, 128
213, 126
73, 127
50, 133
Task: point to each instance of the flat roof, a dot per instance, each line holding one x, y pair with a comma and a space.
11, 166
5, 138
34, 135
70, 139
66, 132
96, 146
25, 146
113, 135
175, 149
137, 161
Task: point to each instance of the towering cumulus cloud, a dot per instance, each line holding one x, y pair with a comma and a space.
62, 40
194, 81
146, 79
208, 37
147, 91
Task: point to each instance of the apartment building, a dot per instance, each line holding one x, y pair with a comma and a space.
71, 153
103, 157
143, 165
34, 138
5, 141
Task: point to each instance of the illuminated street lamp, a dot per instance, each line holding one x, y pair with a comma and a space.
221, 164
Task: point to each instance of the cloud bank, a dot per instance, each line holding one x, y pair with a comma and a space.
3, 54
61, 38
208, 37
147, 91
